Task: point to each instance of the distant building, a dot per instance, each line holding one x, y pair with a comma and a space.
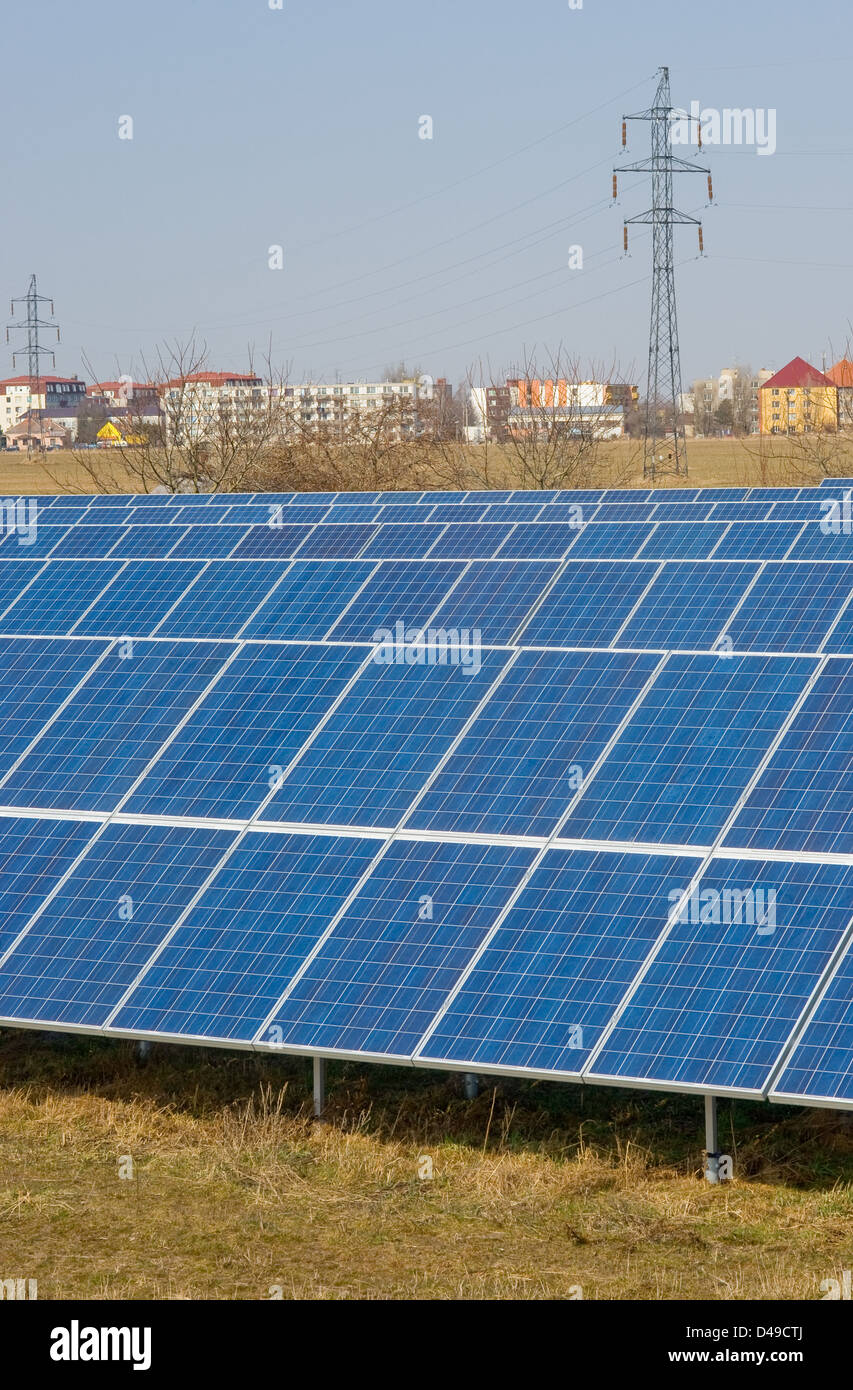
729, 402
408, 405
140, 399
527, 401
842, 377
56, 397
44, 434
799, 399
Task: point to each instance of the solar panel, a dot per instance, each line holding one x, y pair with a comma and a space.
15, 576
758, 540
308, 600
817, 543
389, 964
80, 542
146, 542
791, 608
58, 597
820, 1067
106, 734
534, 743
804, 799
236, 746
397, 599
610, 540
333, 542
687, 605
727, 985
588, 604
34, 856
470, 542
274, 542
207, 542
139, 598
682, 540
88, 944
493, 598
227, 964
407, 542
387, 736
689, 751
37, 675
535, 540
553, 972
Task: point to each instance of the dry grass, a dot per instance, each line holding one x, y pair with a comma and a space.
712, 463
537, 1188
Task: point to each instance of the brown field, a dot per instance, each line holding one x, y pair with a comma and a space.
537, 1188
712, 463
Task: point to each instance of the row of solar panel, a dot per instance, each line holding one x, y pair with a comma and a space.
683, 605
697, 540
566, 962
581, 510
624, 747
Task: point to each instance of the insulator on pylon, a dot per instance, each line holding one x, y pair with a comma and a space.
701, 243
699, 128
615, 187
710, 190
624, 135
626, 236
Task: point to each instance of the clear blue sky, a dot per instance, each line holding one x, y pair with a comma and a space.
299, 127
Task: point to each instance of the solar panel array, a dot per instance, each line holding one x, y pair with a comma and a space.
551, 784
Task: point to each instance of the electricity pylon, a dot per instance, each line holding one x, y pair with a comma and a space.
34, 350
664, 444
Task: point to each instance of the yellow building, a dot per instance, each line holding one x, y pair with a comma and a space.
111, 434
798, 400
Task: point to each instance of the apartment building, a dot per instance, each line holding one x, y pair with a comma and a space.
56, 397
799, 399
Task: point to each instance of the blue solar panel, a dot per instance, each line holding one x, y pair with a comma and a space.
610, 540
146, 542
84, 542
399, 948
400, 592
237, 745
470, 542
60, 595
778, 494
821, 1065
105, 736
545, 540
138, 600
533, 744
310, 597
513, 511
687, 605
816, 543
390, 732
351, 513
493, 597
792, 607
36, 675
627, 496
222, 972
758, 540
65, 515
578, 497
588, 604
801, 510
689, 751
15, 575
22, 547
683, 540
336, 542
742, 511
551, 977
273, 515
447, 512
83, 951
207, 542
409, 513
803, 801
683, 511
624, 513
394, 499
734, 974
274, 542
222, 599
34, 855
408, 542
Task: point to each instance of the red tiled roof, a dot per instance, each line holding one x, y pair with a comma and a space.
798, 372
24, 380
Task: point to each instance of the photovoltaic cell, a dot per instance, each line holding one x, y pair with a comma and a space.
682, 540
791, 608
208, 542
37, 674
815, 543
399, 948
146, 542
493, 597
546, 540
239, 742
34, 855
107, 733
221, 973
272, 542
15, 575
336, 542
610, 540
551, 977
588, 604
721, 997
400, 592
84, 542
60, 595
804, 798
387, 736
88, 945
688, 605
403, 542
758, 540
223, 598
689, 751
821, 1065
138, 600
525, 756
470, 542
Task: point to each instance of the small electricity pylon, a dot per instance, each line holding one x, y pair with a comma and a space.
34, 350
664, 449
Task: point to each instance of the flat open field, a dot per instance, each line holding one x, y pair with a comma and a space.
711, 463
537, 1188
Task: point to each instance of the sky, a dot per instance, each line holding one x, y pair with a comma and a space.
300, 126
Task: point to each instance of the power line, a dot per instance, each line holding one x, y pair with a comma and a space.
34, 350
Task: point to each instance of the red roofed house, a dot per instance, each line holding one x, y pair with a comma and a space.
56, 398
798, 400
842, 375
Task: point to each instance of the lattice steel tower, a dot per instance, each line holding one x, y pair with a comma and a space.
664, 445
34, 350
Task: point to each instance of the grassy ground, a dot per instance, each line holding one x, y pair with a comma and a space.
712, 463
537, 1188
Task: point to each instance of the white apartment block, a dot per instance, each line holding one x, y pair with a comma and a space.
59, 398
